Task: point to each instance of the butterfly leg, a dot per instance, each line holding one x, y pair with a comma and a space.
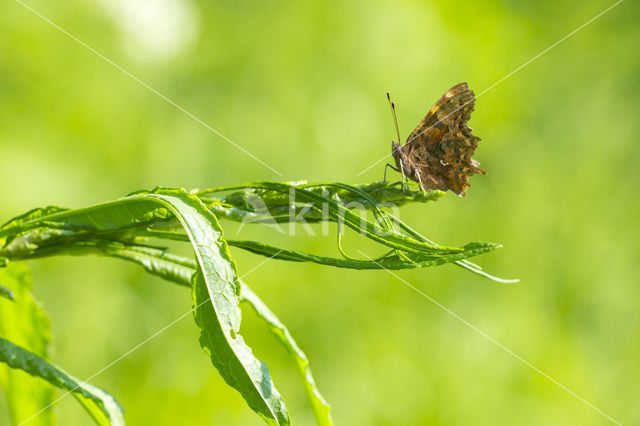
385, 171
421, 185
403, 176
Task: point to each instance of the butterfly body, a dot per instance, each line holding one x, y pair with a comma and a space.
438, 152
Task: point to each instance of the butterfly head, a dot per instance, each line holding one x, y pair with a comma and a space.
396, 150
400, 156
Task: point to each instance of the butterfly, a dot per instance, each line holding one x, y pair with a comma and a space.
438, 152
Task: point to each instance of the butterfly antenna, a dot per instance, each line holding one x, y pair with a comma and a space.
393, 113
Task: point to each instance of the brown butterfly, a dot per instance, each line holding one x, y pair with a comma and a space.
438, 152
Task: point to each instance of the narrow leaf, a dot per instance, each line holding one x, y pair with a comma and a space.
463, 263
321, 409
179, 270
24, 322
101, 405
342, 214
252, 203
391, 262
216, 290
31, 215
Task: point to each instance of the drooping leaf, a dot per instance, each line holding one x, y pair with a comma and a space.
24, 321
170, 267
321, 409
179, 270
463, 263
215, 293
121, 228
390, 262
101, 406
216, 290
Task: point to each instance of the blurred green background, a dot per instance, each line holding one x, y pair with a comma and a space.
302, 85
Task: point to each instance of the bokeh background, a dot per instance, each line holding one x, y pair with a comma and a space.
302, 85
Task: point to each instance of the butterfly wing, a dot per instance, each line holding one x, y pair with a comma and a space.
431, 119
441, 147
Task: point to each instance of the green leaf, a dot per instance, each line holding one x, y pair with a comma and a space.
463, 263
24, 322
393, 262
259, 203
216, 290
217, 313
102, 407
179, 270
411, 250
170, 267
321, 409
31, 215
121, 228
341, 213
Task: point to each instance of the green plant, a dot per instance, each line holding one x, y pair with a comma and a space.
125, 228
